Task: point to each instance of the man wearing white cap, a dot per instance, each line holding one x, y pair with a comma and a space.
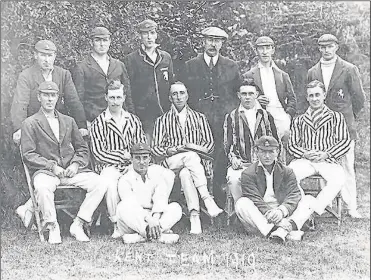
151, 73
25, 102
93, 74
212, 81
345, 94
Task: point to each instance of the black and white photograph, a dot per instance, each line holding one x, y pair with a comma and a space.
185, 140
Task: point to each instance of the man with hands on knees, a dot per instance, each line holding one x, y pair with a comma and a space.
55, 152
143, 212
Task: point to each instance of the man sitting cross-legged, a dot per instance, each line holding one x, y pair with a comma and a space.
271, 199
143, 212
179, 128
55, 152
244, 125
319, 138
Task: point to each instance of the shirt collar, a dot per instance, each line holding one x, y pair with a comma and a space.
256, 108
207, 58
264, 169
108, 115
323, 109
273, 65
137, 176
175, 111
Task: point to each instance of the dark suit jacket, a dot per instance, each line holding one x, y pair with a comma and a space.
345, 92
285, 186
40, 148
25, 101
284, 88
91, 83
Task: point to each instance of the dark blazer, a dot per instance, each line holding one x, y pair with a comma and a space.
284, 88
345, 92
25, 101
238, 139
285, 186
150, 83
40, 148
91, 84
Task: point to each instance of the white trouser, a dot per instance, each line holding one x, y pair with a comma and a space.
45, 186
250, 216
333, 173
131, 215
234, 182
349, 190
192, 176
281, 120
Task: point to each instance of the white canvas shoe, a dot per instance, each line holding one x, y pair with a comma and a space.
132, 238
116, 232
169, 238
279, 235
354, 214
25, 214
195, 224
54, 234
295, 235
77, 231
211, 207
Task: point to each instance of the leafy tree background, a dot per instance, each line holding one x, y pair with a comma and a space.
294, 26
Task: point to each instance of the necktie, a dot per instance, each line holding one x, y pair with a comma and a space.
211, 64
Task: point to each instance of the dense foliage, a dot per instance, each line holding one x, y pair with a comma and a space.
295, 27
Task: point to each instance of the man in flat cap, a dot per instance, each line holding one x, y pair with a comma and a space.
55, 152
25, 101
345, 94
212, 81
144, 213
151, 73
276, 91
271, 199
92, 75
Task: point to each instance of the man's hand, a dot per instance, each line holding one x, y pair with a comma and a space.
263, 100
320, 156
274, 216
84, 132
17, 137
154, 230
58, 171
71, 170
236, 163
172, 151
310, 155
88, 125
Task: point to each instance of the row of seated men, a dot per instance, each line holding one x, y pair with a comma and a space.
267, 194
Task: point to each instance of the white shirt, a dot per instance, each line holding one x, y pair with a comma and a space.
250, 115
103, 63
48, 76
120, 123
269, 196
54, 125
208, 59
327, 70
152, 55
182, 116
269, 85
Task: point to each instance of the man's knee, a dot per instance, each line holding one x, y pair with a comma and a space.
192, 157
184, 173
242, 204
43, 182
175, 209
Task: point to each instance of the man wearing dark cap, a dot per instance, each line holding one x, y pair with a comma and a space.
55, 152
345, 94
144, 213
276, 91
212, 81
25, 102
92, 75
151, 73
271, 199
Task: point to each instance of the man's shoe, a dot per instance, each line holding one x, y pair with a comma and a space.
212, 208
309, 224
295, 235
116, 232
77, 230
354, 214
169, 238
54, 234
285, 224
195, 224
278, 236
25, 214
133, 238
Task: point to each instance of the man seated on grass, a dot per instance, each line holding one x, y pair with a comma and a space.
55, 152
271, 199
176, 131
143, 212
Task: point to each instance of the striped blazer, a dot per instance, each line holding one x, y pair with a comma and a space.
168, 132
110, 146
238, 139
329, 135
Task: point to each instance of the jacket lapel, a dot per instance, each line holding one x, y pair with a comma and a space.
37, 75
112, 66
44, 125
338, 70
261, 181
317, 73
93, 64
277, 177
257, 78
62, 127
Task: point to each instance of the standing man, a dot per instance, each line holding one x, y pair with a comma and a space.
179, 129
25, 100
242, 127
319, 138
55, 152
344, 94
113, 133
212, 81
92, 75
277, 93
151, 74
144, 212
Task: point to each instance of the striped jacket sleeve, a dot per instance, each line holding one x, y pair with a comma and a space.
342, 137
207, 136
228, 136
295, 140
158, 148
139, 136
99, 145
